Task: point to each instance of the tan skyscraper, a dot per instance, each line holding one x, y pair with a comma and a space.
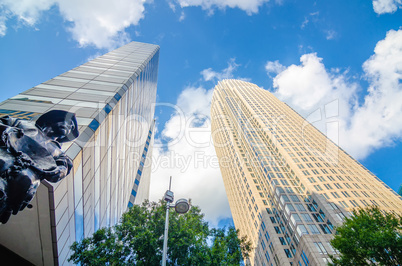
288, 185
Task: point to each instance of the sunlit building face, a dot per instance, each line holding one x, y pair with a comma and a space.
288, 185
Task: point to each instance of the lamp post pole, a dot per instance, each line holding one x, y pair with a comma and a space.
168, 198
165, 239
182, 206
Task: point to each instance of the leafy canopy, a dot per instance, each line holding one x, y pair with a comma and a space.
138, 240
369, 238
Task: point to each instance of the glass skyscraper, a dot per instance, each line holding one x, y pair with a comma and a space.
113, 98
288, 185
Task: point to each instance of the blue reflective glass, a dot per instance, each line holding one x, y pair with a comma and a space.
79, 221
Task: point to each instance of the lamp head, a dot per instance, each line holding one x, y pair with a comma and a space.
182, 206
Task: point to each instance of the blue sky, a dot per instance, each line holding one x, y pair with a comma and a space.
314, 55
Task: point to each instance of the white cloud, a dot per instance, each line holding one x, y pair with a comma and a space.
307, 85
386, 6
209, 74
312, 17
101, 23
172, 6
305, 22
330, 34
92, 57
274, 67
3, 27
93, 22
182, 16
190, 157
249, 6
362, 128
27, 11
315, 20
378, 122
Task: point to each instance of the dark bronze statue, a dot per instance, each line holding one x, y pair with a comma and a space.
29, 153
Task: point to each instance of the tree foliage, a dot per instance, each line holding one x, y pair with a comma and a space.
227, 247
369, 238
138, 240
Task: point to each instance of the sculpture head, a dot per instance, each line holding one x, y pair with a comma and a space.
58, 125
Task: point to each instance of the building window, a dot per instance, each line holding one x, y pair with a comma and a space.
305, 259
263, 244
277, 230
288, 254
267, 237
301, 230
300, 207
267, 256
320, 247
313, 229
295, 218
306, 217
294, 198
325, 229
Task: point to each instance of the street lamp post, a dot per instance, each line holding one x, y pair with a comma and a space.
182, 206
169, 199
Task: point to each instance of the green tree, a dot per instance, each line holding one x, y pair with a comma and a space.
138, 240
369, 237
227, 247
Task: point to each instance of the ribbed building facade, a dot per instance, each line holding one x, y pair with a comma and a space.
288, 185
113, 97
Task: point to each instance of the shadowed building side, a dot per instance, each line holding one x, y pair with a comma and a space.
113, 98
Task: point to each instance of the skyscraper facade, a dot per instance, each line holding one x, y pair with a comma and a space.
113, 98
288, 185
